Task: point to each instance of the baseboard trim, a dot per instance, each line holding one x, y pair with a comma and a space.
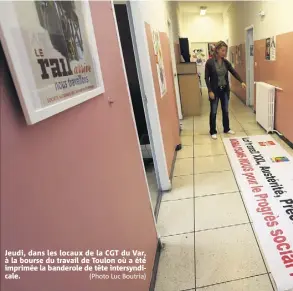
156, 266
158, 205
243, 101
287, 141
177, 148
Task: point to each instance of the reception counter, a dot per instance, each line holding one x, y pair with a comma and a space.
190, 90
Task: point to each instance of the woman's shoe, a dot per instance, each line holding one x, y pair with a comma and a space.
214, 136
231, 132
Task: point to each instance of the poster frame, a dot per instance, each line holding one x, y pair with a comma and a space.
22, 73
211, 46
160, 67
270, 49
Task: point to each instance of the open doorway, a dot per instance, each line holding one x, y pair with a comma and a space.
249, 67
141, 118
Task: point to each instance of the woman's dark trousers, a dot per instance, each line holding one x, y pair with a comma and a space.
221, 95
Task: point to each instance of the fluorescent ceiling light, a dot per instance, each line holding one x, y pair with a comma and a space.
203, 10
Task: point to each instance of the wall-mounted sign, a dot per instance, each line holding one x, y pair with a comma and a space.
211, 48
271, 48
52, 54
238, 55
198, 56
232, 57
159, 62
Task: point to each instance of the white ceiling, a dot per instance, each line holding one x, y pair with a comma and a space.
213, 7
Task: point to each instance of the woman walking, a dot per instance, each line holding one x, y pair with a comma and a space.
216, 77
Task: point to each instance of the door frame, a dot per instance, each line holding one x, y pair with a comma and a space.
144, 69
133, 118
141, 50
249, 60
174, 67
145, 76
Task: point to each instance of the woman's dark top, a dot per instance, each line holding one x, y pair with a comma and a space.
221, 72
211, 75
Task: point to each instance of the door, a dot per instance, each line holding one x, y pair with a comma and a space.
173, 57
249, 67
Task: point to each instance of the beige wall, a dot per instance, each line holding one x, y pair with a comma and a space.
155, 13
172, 15
241, 14
196, 28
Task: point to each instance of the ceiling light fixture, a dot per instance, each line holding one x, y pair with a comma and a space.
203, 10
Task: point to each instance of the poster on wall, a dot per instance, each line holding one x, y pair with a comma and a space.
268, 49
156, 41
211, 48
198, 56
51, 50
251, 50
159, 62
238, 55
271, 48
232, 59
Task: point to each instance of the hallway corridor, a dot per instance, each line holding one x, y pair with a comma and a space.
208, 240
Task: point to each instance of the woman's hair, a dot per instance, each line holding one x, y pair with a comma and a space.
218, 46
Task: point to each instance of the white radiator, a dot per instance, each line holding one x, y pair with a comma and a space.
265, 105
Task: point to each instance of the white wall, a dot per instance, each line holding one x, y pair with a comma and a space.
154, 13
240, 15
172, 15
197, 28
157, 12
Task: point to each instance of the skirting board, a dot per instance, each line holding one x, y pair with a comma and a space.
156, 266
158, 205
244, 102
178, 148
287, 141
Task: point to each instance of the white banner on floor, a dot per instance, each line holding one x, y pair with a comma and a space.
264, 173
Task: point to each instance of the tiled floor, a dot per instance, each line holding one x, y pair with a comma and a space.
209, 244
